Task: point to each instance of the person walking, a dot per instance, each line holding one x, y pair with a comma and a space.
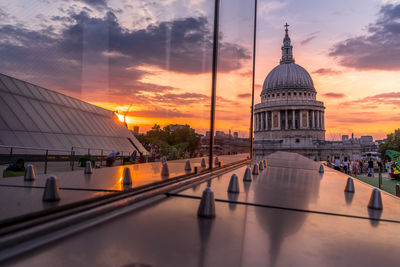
328, 161
357, 167
370, 168
337, 163
388, 165
346, 165
351, 167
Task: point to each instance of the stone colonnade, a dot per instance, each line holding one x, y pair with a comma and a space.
289, 119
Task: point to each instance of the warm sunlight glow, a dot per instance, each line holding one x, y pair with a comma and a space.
120, 117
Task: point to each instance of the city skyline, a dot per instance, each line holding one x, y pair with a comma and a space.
353, 65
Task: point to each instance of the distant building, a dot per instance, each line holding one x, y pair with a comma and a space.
290, 118
235, 135
135, 130
366, 139
345, 137
174, 127
220, 134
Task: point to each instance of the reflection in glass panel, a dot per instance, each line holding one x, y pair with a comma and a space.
234, 82
144, 67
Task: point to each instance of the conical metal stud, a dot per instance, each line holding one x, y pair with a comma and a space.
216, 162
321, 169
51, 190
265, 163
233, 184
188, 167
349, 185
203, 163
261, 166
127, 178
207, 204
255, 169
165, 170
247, 175
375, 200
88, 167
30, 173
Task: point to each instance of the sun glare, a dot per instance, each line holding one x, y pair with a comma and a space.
120, 117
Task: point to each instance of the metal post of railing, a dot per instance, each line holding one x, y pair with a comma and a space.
122, 158
101, 158
71, 162
73, 159
380, 177
45, 161
11, 152
214, 81
252, 84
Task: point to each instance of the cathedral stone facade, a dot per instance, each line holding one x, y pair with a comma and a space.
290, 118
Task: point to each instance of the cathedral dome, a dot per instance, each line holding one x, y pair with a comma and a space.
287, 75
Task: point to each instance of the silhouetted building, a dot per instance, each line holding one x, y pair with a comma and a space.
135, 130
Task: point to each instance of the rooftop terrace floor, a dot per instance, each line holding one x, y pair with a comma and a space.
289, 215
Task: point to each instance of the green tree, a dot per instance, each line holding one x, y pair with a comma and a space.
172, 143
392, 143
185, 135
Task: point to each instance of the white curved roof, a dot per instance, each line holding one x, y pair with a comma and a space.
35, 117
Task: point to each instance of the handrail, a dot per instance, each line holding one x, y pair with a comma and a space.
60, 150
71, 153
34, 148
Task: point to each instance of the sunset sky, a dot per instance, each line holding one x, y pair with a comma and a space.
156, 57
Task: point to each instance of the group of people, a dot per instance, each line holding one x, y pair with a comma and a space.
18, 166
135, 158
357, 167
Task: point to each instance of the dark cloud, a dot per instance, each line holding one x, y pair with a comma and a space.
90, 47
327, 71
307, 40
248, 73
362, 118
334, 95
392, 98
379, 48
183, 98
310, 37
161, 113
95, 3
246, 95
